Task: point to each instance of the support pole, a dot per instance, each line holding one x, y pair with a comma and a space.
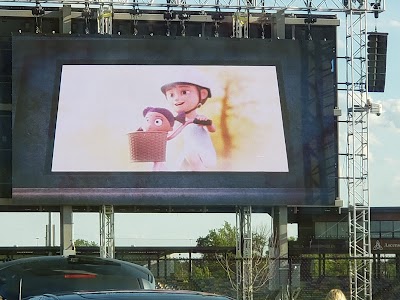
279, 25
357, 152
49, 228
279, 253
107, 238
105, 19
244, 254
66, 19
66, 240
240, 24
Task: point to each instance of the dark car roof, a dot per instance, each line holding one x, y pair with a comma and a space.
53, 274
134, 294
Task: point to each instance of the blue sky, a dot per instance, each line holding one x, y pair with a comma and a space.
28, 229
384, 130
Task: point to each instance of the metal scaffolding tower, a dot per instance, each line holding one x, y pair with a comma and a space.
357, 151
244, 254
107, 237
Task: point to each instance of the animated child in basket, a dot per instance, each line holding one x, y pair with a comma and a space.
158, 119
186, 96
161, 119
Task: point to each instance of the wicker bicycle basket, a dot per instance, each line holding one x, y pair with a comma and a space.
147, 146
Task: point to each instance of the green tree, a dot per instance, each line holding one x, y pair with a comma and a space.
200, 273
222, 237
224, 266
226, 237
85, 243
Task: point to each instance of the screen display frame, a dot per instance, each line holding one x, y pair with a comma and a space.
300, 65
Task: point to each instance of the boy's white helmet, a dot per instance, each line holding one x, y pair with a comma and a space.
187, 76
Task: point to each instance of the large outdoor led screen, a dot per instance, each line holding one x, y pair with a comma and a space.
182, 121
123, 122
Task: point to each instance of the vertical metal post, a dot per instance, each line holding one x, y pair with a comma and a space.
49, 232
279, 25
240, 24
54, 235
105, 19
107, 238
239, 258
247, 254
244, 254
66, 19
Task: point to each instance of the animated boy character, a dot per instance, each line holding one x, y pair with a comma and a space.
186, 96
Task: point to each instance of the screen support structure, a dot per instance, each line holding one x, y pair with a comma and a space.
357, 152
357, 121
244, 254
104, 18
279, 253
67, 246
107, 237
240, 24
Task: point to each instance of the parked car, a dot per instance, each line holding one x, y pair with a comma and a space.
133, 295
54, 274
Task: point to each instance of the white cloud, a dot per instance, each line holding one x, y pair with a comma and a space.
394, 23
375, 139
391, 108
341, 44
392, 105
342, 96
392, 161
396, 181
381, 120
390, 117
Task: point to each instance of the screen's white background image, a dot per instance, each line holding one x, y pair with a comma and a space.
100, 104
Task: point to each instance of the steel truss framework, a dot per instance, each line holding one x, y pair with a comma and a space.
265, 5
244, 254
107, 237
356, 12
357, 155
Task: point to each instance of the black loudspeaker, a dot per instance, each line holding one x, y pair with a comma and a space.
377, 49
